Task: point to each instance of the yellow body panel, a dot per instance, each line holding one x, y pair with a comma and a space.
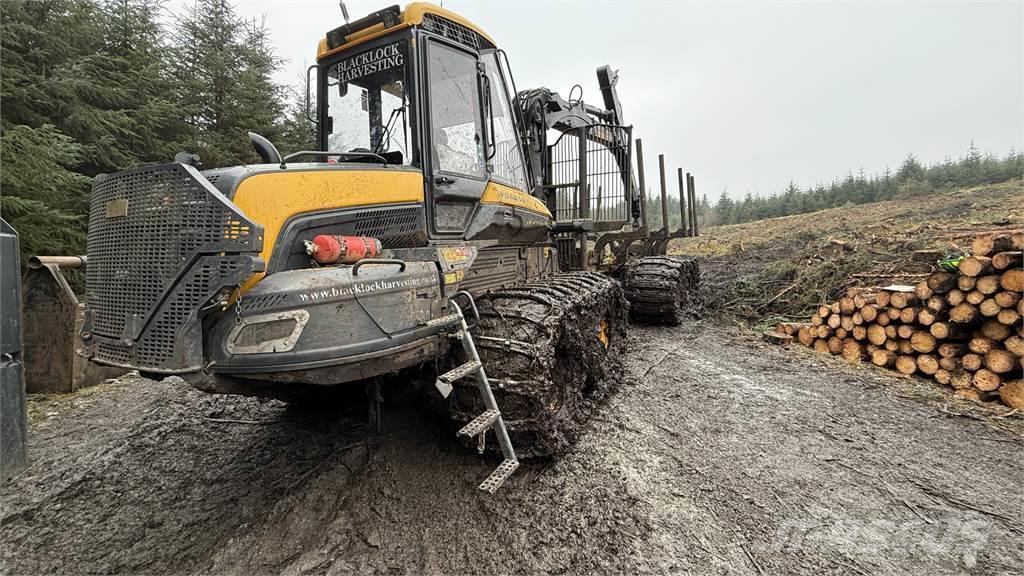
500, 194
411, 16
272, 198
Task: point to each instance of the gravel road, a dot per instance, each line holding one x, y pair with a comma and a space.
718, 455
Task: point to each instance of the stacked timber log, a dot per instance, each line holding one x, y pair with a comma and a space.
964, 329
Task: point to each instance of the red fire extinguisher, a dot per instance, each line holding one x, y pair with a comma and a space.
332, 249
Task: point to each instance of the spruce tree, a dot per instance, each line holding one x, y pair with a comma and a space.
222, 68
42, 198
42, 192
296, 132
135, 59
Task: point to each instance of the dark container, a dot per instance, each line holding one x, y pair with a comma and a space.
13, 458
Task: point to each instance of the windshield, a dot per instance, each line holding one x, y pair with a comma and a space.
368, 104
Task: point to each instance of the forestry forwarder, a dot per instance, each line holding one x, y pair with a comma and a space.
434, 184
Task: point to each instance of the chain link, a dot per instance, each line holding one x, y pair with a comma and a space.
238, 305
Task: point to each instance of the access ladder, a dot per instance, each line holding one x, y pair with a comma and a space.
491, 418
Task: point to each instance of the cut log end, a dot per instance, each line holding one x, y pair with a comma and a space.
927, 364
923, 342
1000, 361
1013, 280
883, 358
975, 266
986, 381
906, 365
1012, 394
991, 243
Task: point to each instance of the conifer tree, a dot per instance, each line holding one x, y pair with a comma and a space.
297, 132
222, 68
42, 193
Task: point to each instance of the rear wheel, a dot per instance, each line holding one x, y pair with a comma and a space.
552, 349
660, 288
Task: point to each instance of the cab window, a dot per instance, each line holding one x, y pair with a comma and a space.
507, 160
368, 103
455, 115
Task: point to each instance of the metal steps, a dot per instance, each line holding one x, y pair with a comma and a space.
460, 372
480, 424
491, 418
498, 477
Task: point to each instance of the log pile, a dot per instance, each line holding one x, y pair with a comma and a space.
964, 329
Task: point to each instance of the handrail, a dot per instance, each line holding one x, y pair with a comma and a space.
284, 161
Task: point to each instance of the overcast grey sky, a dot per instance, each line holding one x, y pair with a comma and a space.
748, 95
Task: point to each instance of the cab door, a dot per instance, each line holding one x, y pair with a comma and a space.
456, 165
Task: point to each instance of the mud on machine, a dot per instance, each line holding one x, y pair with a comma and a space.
435, 221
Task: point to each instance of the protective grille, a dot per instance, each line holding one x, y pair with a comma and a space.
590, 171
395, 227
451, 30
161, 241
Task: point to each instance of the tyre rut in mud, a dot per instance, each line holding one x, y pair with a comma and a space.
660, 288
552, 349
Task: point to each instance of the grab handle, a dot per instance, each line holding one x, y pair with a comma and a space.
358, 265
471, 305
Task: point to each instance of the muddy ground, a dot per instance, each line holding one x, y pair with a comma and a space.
718, 455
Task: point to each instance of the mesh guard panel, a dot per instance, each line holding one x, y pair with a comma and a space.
451, 30
156, 261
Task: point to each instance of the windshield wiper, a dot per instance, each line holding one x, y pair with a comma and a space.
387, 130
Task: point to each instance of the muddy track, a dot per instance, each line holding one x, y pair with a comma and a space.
718, 455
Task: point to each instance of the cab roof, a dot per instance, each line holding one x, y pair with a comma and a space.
375, 25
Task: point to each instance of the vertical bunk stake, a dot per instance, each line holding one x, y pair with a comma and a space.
664, 194
683, 218
642, 184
